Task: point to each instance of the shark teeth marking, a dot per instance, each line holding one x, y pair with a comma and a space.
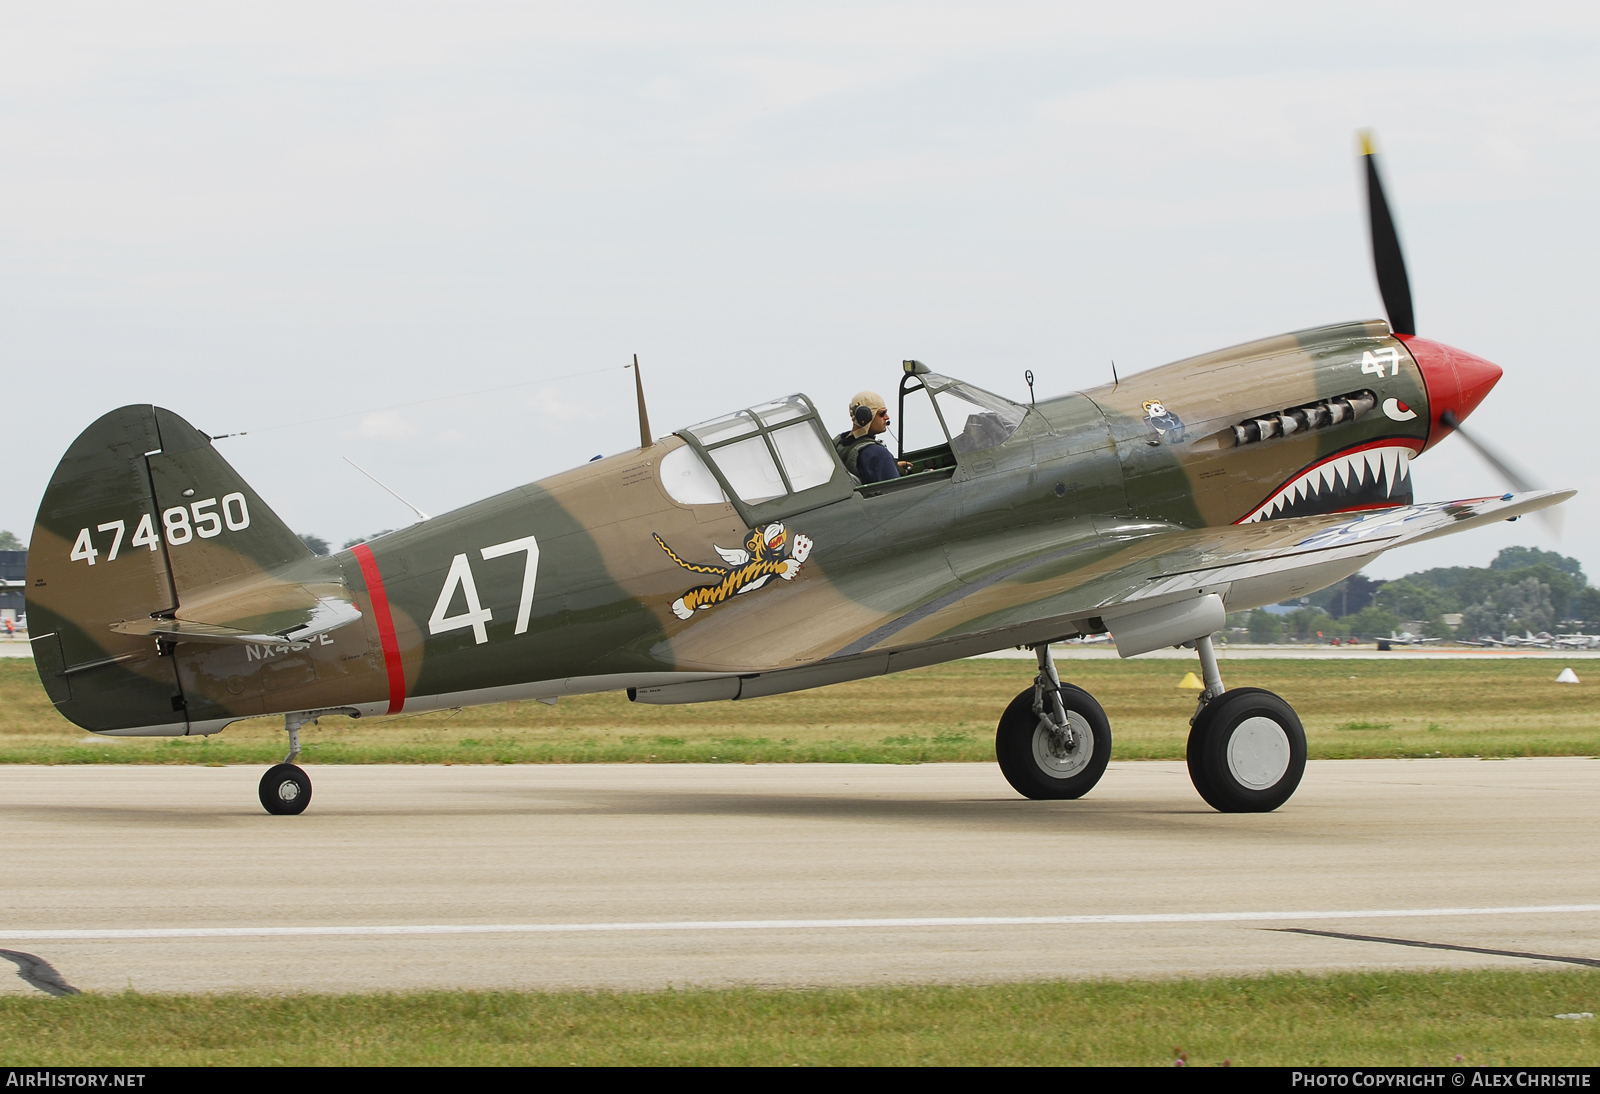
1378, 472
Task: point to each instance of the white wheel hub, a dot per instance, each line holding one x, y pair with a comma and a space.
1258, 753
288, 790
1064, 763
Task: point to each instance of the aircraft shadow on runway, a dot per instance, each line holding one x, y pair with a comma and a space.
39, 973
1017, 813
1587, 961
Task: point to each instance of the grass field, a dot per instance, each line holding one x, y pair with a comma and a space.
1355, 708
1351, 709
1423, 1018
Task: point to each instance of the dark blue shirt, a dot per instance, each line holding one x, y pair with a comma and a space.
873, 461
876, 463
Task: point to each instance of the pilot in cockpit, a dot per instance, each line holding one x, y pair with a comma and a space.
864, 455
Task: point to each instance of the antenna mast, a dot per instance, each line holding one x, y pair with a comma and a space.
420, 514
644, 415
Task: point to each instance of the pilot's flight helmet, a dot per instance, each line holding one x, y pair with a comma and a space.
869, 401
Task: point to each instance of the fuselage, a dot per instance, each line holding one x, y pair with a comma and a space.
582, 581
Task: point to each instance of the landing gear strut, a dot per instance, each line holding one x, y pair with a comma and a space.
1053, 741
286, 789
1247, 749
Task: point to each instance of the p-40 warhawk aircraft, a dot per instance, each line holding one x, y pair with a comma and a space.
738, 558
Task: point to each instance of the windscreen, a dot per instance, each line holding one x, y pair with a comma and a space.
976, 419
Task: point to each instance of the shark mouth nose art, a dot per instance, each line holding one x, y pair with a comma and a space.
1370, 477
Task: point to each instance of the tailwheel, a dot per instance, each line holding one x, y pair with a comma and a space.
1044, 760
1247, 751
285, 790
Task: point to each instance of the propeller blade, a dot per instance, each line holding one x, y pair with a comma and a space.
1387, 260
1518, 481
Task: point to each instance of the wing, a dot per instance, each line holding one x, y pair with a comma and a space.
1248, 565
735, 557
1035, 584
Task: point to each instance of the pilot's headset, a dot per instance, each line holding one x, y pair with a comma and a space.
864, 407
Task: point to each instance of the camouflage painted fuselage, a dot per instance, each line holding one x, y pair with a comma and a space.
562, 586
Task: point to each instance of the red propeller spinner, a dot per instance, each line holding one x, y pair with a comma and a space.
1457, 382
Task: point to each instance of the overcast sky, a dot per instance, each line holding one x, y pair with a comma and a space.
309, 213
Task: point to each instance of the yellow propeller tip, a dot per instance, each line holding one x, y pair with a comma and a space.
1366, 142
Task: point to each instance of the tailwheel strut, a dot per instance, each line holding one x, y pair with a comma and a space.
285, 789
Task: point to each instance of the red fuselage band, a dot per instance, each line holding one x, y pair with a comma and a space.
385, 622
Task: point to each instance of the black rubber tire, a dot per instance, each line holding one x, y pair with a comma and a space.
285, 790
1222, 772
1021, 756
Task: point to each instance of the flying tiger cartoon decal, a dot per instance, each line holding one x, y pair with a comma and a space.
766, 554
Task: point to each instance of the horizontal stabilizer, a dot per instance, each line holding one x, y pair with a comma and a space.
260, 615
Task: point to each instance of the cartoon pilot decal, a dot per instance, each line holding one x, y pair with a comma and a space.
766, 554
1166, 424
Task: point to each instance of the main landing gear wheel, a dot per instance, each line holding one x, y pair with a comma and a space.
1037, 762
1247, 751
285, 790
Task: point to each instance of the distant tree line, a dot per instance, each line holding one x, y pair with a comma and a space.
1523, 589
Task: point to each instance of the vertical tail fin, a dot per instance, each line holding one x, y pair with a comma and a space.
140, 512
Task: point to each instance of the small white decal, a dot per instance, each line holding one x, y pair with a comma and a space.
1398, 411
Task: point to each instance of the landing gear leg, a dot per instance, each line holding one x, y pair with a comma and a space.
1209, 672
1053, 740
1247, 749
285, 788
293, 722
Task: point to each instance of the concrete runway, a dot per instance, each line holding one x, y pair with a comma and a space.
584, 876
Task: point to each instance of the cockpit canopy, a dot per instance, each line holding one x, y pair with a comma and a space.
778, 458
769, 460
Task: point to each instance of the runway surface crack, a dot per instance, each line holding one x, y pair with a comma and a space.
39, 973
1589, 961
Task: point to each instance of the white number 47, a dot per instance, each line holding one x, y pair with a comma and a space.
476, 615
1373, 362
